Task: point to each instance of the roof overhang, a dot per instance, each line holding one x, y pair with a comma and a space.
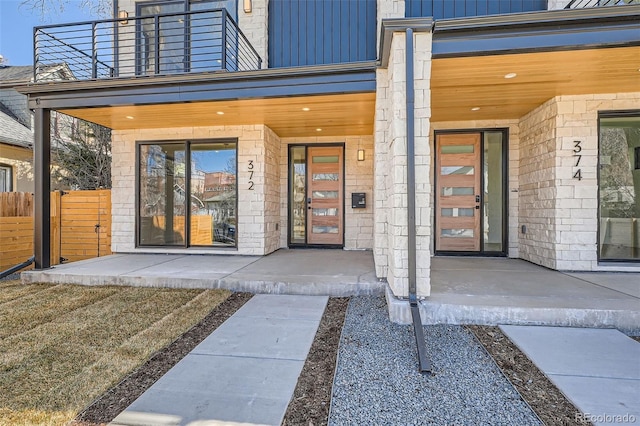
338, 99
551, 53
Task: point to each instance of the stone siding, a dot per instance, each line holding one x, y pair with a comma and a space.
391, 216
560, 211
257, 214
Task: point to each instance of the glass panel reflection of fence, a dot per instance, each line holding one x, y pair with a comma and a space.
620, 238
168, 43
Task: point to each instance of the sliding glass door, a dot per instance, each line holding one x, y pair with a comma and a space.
187, 194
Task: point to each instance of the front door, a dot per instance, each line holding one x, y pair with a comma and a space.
471, 192
458, 192
316, 195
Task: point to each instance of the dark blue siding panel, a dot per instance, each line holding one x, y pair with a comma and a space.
303, 32
443, 9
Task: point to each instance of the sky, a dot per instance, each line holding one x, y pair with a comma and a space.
16, 28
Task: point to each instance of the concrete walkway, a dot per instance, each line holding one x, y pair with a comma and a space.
245, 372
598, 370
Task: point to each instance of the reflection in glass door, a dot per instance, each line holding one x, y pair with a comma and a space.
470, 192
316, 195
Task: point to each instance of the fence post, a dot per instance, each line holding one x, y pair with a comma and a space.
56, 225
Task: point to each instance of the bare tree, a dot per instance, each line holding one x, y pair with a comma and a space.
81, 155
47, 8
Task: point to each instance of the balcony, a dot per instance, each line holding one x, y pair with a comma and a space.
584, 4
161, 44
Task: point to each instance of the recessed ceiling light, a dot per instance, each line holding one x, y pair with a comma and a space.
220, 112
510, 75
129, 117
475, 109
318, 129
306, 109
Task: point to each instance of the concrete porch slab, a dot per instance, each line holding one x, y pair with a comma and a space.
491, 291
303, 272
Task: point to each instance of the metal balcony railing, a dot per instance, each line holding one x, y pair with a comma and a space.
585, 4
169, 43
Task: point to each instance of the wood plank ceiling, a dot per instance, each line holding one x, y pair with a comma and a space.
460, 84
350, 114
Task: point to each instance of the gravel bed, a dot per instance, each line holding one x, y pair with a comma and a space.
377, 380
14, 276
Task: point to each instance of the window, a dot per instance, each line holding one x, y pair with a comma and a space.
174, 42
619, 188
6, 178
187, 194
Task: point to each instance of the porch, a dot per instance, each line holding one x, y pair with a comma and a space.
463, 290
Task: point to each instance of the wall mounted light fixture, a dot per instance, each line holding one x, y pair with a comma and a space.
361, 155
123, 14
247, 6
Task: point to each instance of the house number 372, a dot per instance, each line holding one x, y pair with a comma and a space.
250, 168
577, 149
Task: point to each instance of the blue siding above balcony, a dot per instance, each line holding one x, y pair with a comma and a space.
303, 32
444, 9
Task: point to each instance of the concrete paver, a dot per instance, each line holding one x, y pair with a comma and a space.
597, 369
245, 372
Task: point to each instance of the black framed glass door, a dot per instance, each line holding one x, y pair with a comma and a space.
470, 192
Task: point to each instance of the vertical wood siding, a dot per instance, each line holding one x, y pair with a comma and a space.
443, 9
305, 32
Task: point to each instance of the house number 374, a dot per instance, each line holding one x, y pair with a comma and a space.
250, 168
577, 149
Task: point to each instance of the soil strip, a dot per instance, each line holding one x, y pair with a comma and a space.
106, 407
551, 406
311, 399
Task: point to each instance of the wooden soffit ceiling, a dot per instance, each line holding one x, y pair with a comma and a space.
460, 84
345, 114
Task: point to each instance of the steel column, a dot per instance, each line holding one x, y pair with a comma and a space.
42, 177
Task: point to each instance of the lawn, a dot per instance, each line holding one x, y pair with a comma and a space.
61, 346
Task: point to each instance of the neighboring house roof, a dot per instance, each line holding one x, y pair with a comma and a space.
14, 133
16, 74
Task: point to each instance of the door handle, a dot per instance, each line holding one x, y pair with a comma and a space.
477, 198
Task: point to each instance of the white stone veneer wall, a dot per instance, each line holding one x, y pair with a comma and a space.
254, 26
391, 227
513, 165
358, 226
561, 212
538, 151
258, 211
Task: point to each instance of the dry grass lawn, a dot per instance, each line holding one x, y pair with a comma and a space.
61, 346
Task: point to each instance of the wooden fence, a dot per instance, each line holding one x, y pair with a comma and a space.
80, 226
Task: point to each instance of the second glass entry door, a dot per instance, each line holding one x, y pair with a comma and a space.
316, 195
470, 192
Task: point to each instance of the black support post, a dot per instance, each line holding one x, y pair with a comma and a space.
424, 364
42, 202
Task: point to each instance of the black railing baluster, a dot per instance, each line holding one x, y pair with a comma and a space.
94, 52
156, 43
113, 48
224, 39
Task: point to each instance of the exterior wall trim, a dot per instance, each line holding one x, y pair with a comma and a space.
348, 78
537, 32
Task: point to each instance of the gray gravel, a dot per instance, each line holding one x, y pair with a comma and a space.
15, 276
377, 381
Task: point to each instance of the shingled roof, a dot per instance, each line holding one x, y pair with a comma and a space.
22, 73
12, 132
